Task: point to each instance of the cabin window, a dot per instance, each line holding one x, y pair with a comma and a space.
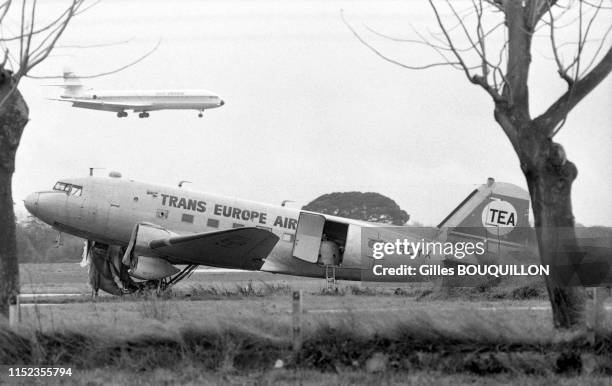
212, 223
289, 237
187, 218
162, 213
236, 225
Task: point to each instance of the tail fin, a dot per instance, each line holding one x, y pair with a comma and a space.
72, 84
496, 212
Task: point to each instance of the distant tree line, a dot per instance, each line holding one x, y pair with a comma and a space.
369, 206
37, 243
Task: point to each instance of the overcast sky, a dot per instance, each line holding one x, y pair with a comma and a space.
309, 110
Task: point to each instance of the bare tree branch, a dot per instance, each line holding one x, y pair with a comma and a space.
403, 40
541, 8
382, 56
479, 80
45, 50
519, 58
561, 70
598, 50
87, 8
99, 45
140, 59
600, 6
562, 106
42, 29
29, 35
4, 8
481, 41
576, 61
583, 41
564, 72
21, 34
521, 20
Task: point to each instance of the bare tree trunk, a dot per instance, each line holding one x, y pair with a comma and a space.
13, 118
549, 178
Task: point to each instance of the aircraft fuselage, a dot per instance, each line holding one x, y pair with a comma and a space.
153, 100
106, 210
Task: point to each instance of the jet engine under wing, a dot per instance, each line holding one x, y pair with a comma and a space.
241, 248
106, 106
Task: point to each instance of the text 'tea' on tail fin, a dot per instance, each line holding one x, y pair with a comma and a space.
496, 212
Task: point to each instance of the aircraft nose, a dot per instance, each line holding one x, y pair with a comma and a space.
31, 202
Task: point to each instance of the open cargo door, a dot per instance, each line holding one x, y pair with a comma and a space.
308, 237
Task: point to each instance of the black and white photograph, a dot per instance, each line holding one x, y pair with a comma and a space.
305, 192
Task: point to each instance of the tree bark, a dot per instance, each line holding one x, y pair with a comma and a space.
549, 178
13, 118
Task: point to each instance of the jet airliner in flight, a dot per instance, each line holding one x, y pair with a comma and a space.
139, 101
138, 233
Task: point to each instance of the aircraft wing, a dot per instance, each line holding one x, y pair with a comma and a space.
240, 248
106, 106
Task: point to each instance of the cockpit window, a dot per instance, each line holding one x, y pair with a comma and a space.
60, 186
73, 190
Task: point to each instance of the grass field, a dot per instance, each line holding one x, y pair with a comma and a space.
71, 278
232, 328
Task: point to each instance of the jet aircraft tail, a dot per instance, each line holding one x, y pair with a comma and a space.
72, 84
496, 213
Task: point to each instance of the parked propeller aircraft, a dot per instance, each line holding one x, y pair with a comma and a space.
140, 102
137, 232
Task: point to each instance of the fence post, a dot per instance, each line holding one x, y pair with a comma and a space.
14, 311
595, 312
297, 321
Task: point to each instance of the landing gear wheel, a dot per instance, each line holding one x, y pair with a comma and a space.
143, 115
122, 114
200, 115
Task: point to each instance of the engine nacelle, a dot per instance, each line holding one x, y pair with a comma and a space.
144, 262
152, 268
